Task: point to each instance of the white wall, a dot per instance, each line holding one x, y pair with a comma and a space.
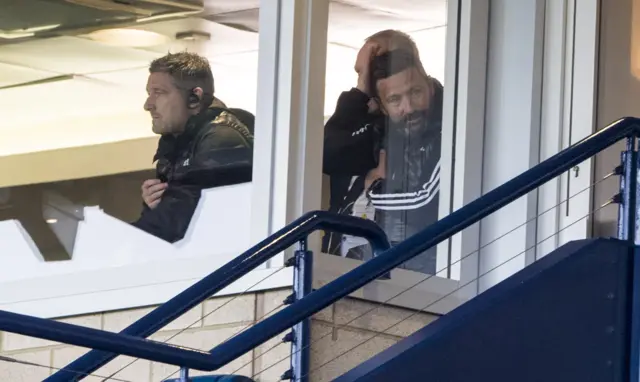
511, 129
106, 242
541, 71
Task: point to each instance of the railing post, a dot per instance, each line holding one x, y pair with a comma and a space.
627, 214
300, 336
629, 230
184, 374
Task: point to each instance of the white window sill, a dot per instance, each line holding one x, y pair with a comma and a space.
435, 295
152, 283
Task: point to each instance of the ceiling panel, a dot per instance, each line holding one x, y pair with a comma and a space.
73, 55
236, 86
107, 106
127, 79
61, 101
216, 7
14, 75
350, 24
432, 47
224, 40
426, 10
351, 21
76, 132
25, 14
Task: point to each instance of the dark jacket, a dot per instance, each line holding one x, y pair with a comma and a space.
407, 200
352, 138
216, 149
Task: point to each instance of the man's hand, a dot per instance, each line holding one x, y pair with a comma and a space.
363, 62
378, 172
152, 190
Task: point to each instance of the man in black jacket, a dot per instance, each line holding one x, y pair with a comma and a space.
399, 192
201, 145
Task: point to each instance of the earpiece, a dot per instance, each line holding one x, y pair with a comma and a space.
193, 101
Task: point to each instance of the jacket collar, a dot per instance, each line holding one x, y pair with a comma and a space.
170, 145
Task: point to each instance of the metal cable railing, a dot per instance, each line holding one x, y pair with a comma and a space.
424, 279
429, 237
428, 277
423, 309
173, 336
329, 293
48, 367
226, 275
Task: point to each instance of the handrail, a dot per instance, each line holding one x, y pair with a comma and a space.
226, 275
425, 239
100, 339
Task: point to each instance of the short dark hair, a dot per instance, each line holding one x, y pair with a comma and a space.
189, 71
390, 63
395, 39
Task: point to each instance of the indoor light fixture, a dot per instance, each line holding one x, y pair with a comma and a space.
52, 221
28, 32
193, 36
135, 38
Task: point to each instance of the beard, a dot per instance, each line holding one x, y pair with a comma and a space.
412, 123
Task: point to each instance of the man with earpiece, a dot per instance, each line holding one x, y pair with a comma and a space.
203, 144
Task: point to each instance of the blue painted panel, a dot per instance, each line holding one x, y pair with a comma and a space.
561, 319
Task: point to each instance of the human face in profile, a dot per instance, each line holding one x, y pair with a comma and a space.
167, 105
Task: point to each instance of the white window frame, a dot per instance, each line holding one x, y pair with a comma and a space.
289, 100
275, 94
566, 66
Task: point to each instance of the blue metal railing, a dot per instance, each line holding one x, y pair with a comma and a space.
433, 235
344, 285
224, 276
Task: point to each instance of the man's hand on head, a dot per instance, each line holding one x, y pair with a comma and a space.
363, 62
152, 190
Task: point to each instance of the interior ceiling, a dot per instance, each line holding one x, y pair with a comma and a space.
59, 88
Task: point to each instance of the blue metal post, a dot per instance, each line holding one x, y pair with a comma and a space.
628, 230
184, 374
621, 197
627, 214
633, 235
301, 334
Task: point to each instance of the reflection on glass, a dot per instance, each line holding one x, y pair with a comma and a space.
50, 213
84, 67
382, 141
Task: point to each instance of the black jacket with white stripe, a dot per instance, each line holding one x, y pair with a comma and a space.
406, 201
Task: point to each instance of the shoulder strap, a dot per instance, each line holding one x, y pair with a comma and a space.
246, 134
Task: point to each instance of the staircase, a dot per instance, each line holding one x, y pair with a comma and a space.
564, 318
573, 315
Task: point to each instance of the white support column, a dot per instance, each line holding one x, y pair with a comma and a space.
556, 76
287, 176
568, 115
466, 102
580, 118
511, 133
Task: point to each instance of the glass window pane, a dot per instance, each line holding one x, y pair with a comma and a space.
82, 115
383, 130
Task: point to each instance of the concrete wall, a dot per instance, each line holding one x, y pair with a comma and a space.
618, 96
331, 329
341, 342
